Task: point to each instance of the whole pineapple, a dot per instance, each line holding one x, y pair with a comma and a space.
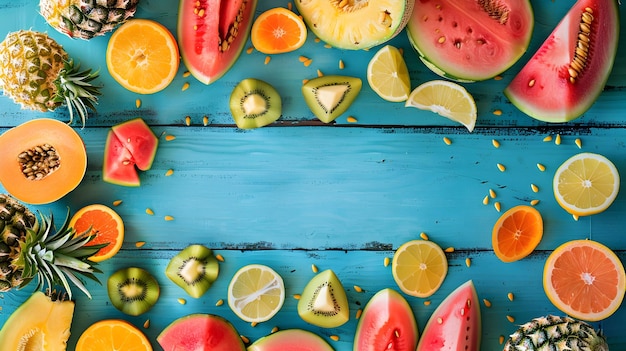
38, 74
32, 248
86, 19
556, 333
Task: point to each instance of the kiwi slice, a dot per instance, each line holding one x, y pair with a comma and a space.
133, 290
324, 302
330, 96
194, 269
254, 103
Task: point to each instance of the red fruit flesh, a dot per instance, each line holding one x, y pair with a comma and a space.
119, 166
140, 141
200, 332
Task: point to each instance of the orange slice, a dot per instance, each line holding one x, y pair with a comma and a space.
517, 233
419, 267
105, 223
584, 279
142, 56
277, 31
113, 335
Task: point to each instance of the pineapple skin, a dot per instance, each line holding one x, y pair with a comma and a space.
86, 19
555, 333
15, 219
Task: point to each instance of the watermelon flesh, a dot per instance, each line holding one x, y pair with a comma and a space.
455, 324
544, 90
470, 40
119, 166
199, 332
291, 340
209, 44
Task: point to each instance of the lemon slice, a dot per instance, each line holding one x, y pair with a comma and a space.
419, 267
586, 184
388, 75
447, 99
256, 293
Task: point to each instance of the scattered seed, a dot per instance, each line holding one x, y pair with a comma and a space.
548, 138
486, 200
314, 268
297, 296
575, 217
510, 318
308, 62
304, 81
317, 40
449, 249
169, 137
497, 112
358, 289
267, 60
140, 244
501, 339
146, 324
497, 206
244, 339
182, 301
149, 211
534, 188
138, 103
219, 302
468, 262
501, 167
341, 64
328, 46
557, 139
117, 202
274, 330
492, 193
424, 236
579, 143
169, 172
289, 6
219, 257
186, 74
168, 218
498, 77
249, 50
351, 119
439, 320
253, 324
510, 296
541, 167
334, 337
185, 86
188, 120
534, 202
319, 73
205, 120
386, 261
427, 302
358, 313
447, 140
487, 303
495, 143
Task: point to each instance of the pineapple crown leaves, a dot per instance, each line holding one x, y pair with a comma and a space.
57, 257
74, 88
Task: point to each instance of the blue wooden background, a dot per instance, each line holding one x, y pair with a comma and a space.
342, 196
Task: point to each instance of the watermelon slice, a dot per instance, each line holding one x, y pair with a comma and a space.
119, 166
200, 332
569, 71
291, 339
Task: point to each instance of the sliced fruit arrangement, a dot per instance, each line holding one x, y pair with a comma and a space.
556, 333
142, 56
330, 96
355, 24
37, 73
419, 267
470, 41
35, 248
85, 20
323, 301
388, 75
105, 224
569, 71
129, 144
517, 233
200, 332
256, 293
42, 160
255, 103
585, 280
112, 335
387, 323
291, 339
455, 324
42, 322
133, 290
277, 31
212, 34
194, 269
447, 99
586, 184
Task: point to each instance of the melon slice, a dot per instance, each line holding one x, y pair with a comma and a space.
569, 71
119, 166
200, 332
291, 339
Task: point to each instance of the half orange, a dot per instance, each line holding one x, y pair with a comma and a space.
142, 56
105, 223
113, 335
584, 279
517, 233
278, 30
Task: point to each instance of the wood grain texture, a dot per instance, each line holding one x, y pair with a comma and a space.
340, 196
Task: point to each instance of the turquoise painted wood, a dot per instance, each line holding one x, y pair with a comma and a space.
342, 196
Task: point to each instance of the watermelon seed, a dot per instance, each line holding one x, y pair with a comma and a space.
501, 167
219, 257
497, 206
146, 324
138, 103
510, 296
386, 262
341, 64
358, 289
579, 143
297, 296
427, 303
358, 313
219, 302
205, 120
447, 140
267, 60
468, 262
501, 339
534, 188
188, 120
510, 318
244, 339
531, 83
534, 202
139, 244
149, 211
168, 218
182, 301
117, 202
495, 143
439, 320
492, 193
462, 311
487, 303
334, 337
557, 140
314, 268
441, 39
486, 200
253, 324
185, 86
449, 249
274, 330
424, 236
541, 167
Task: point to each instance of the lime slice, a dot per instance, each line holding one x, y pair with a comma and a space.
256, 293
388, 75
447, 99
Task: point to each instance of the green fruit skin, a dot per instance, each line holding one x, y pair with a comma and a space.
309, 93
290, 339
206, 263
341, 301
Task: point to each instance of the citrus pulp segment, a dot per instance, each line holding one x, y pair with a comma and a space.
446, 99
113, 335
278, 30
107, 226
586, 184
584, 279
517, 233
142, 56
256, 293
388, 74
419, 267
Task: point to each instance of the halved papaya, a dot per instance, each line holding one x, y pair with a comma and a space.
42, 160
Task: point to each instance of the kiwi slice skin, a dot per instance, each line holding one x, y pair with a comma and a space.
133, 290
324, 302
255, 103
328, 97
194, 269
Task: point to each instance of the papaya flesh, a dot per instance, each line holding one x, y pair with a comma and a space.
41, 161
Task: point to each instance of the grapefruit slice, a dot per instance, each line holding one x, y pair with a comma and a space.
105, 223
517, 233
